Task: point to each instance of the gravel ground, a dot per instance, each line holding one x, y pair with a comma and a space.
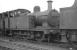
5, 48
27, 46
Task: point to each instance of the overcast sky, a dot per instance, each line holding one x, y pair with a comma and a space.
6, 5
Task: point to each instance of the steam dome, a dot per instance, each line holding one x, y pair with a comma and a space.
37, 9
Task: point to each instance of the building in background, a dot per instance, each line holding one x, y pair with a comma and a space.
15, 13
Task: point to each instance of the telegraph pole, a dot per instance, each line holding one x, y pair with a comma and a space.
3, 18
9, 23
8, 20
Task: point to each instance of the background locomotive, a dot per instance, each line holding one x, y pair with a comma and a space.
49, 25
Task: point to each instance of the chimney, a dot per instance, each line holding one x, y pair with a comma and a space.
49, 5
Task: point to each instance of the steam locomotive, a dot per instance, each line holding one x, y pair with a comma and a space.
55, 27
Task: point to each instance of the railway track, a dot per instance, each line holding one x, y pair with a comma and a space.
29, 45
61, 45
